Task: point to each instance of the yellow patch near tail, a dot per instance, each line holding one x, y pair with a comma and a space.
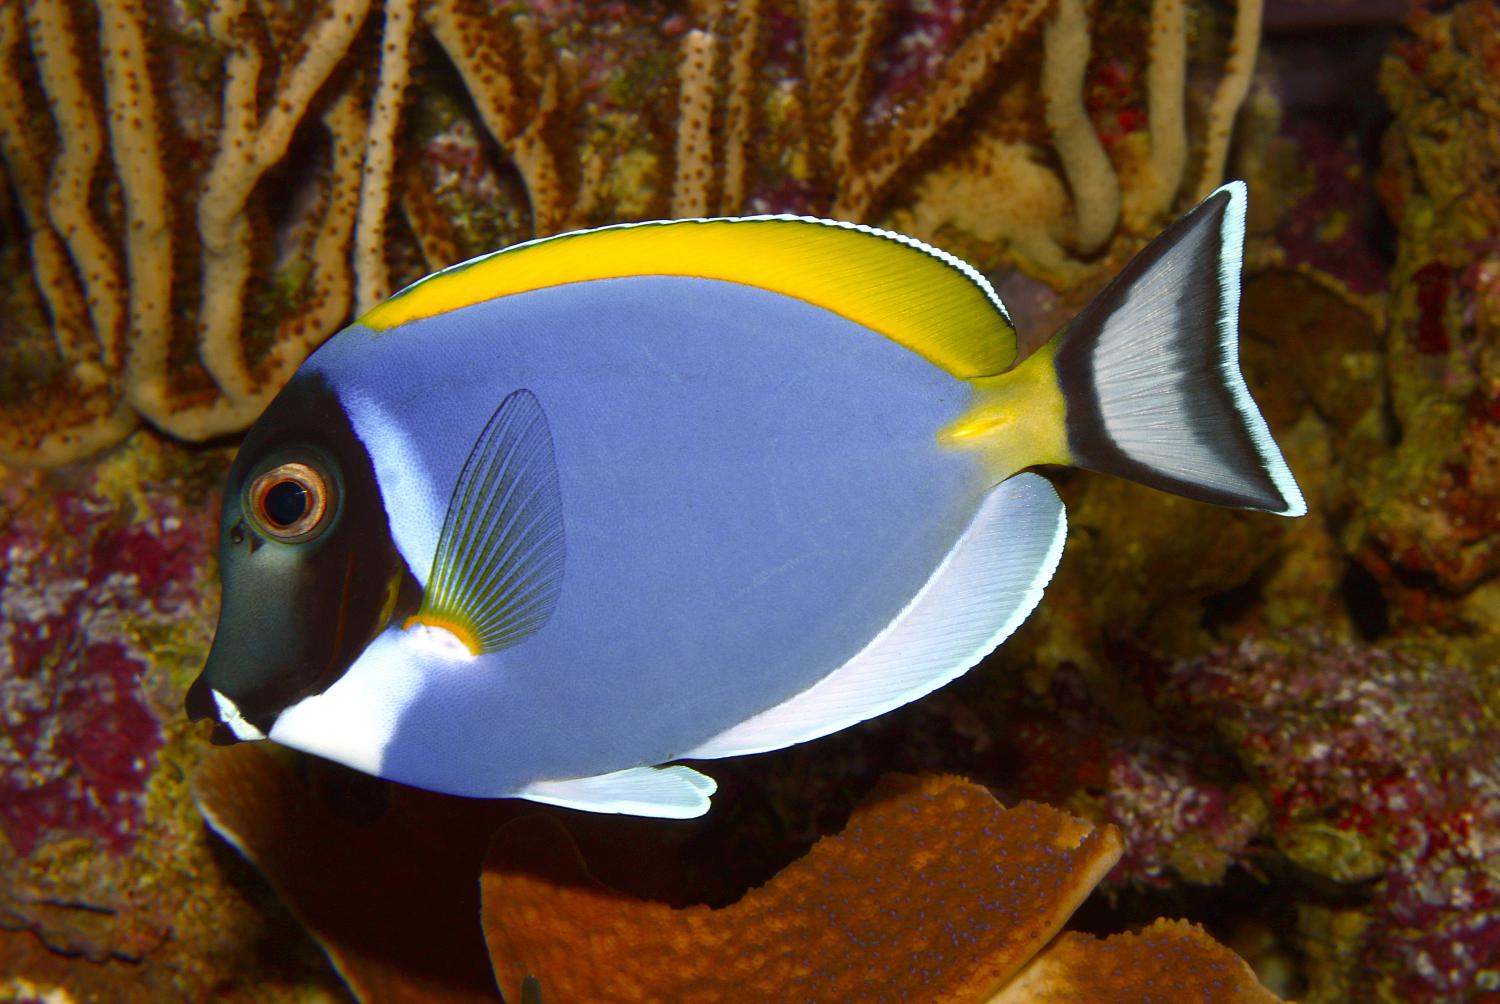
1018, 419
913, 294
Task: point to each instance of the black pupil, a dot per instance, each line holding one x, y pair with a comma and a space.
286, 502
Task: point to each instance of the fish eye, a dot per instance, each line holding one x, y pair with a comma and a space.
292, 502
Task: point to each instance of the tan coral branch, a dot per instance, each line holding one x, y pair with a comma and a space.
1091, 176
80, 139
915, 127
331, 284
135, 142
1244, 45
1166, 79
54, 278
248, 146
533, 150
75, 425
852, 83
821, 68
493, 56
372, 280
695, 111
837, 58
591, 187
740, 93
222, 229
429, 223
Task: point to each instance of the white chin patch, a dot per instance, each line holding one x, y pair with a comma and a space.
353, 720
230, 715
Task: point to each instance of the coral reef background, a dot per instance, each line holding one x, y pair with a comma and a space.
1295, 727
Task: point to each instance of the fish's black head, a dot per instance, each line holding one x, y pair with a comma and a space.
309, 572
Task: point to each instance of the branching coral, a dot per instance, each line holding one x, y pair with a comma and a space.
88, 347
213, 191
251, 140
1001, 189
375, 184
123, 264
861, 181
128, 268
517, 87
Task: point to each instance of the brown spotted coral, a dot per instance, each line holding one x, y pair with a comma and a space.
195, 196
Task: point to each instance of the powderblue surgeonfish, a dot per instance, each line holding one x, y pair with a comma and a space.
550, 519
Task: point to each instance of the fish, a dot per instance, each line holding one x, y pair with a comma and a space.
551, 520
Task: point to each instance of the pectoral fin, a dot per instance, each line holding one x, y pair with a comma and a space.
498, 569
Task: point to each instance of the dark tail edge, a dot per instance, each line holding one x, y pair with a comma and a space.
1151, 374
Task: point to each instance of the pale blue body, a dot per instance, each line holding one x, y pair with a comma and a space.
751, 488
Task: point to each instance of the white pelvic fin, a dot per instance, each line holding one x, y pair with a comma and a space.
675, 792
985, 587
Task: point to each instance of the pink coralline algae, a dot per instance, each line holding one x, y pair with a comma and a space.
1332, 228
924, 35
1377, 765
1174, 802
1434, 282
1114, 104
82, 589
1177, 821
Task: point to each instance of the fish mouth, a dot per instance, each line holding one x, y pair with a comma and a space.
230, 724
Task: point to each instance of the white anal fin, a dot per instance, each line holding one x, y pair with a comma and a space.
985, 587
674, 792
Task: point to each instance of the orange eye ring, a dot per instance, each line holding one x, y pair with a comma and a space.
291, 502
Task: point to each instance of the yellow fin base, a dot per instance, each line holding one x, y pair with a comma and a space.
1018, 419
460, 632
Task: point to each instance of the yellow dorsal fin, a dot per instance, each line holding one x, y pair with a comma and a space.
924, 299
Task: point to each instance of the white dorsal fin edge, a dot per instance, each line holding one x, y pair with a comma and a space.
675, 792
981, 592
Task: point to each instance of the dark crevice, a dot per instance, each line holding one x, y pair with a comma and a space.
1243, 910
1223, 609
1364, 601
